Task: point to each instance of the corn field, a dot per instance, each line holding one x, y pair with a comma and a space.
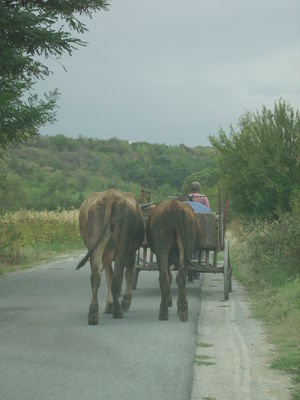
32, 229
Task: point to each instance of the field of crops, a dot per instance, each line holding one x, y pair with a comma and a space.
27, 232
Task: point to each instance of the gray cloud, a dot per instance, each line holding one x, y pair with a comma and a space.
173, 72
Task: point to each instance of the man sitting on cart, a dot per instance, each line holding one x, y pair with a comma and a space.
193, 199
197, 197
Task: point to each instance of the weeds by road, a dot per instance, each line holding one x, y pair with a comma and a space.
27, 237
265, 259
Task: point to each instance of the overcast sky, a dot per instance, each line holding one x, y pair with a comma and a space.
170, 71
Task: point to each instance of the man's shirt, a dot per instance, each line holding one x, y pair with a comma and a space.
199, 198
197, 207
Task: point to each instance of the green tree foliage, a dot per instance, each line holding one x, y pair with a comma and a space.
29, 31
207, 177
53, 172
260, 162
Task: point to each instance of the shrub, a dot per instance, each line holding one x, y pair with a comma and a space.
268, 253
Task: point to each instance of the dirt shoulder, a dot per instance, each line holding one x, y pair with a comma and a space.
233, 355
41, 258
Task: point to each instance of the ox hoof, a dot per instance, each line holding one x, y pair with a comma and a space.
108, 308
117, 312
183, 315
125, 303
163, 316
118, 315
93, 318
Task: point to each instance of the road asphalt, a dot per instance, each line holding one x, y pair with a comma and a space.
49, 352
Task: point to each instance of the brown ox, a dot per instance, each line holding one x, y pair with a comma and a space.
112, 228
173, 234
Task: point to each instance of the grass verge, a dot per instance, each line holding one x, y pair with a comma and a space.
33, 256
275, 296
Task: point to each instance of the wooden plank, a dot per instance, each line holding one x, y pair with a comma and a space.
210, 269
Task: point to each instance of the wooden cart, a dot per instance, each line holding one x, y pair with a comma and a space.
209, 259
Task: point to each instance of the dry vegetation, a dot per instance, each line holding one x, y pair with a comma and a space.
28, 236
266, 260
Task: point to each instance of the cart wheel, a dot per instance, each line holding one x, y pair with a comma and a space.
190, 276
227, 272
230, 275
135, 278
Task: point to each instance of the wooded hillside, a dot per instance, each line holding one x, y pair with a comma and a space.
58, 172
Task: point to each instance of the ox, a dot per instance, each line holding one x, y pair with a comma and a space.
112, 228
173, 234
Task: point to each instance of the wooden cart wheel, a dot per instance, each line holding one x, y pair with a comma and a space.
230, 274
227, 273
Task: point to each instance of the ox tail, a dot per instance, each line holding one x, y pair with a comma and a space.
181, 237
87, 256
105, 228
180, 248
180, 243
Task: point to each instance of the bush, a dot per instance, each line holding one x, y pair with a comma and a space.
259, 162
268, 253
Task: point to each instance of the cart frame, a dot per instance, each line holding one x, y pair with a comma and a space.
206, 261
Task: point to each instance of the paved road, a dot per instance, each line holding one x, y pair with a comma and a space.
48, 351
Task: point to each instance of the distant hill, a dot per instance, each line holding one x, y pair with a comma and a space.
54, 172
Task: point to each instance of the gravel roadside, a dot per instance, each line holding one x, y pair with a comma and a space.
233, 356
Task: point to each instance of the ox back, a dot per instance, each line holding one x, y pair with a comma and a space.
173, 234
112, 228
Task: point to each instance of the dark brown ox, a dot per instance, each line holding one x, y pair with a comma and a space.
112, 228
173, 234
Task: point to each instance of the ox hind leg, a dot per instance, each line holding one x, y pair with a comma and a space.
109, 299
182, 304
129, 275
169, 290
93, 317
116, 287
164, 282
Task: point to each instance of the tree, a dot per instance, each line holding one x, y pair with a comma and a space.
260, 163
30, 30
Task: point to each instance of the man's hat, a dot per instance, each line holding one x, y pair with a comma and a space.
195, 187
